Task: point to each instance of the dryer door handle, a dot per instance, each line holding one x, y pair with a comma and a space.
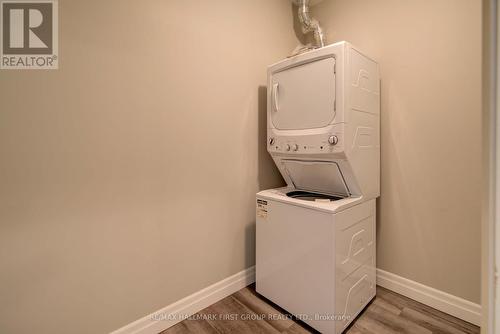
275, 97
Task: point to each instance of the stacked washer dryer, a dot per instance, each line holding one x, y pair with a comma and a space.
316, 236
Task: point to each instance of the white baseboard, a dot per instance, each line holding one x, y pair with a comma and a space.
176, 312
170, 315
442, 301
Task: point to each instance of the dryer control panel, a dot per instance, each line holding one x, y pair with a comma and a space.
329, 141
316, 144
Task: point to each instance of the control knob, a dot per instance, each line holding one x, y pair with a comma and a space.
295, 147
333, 140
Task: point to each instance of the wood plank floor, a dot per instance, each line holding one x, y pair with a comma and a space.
389, 313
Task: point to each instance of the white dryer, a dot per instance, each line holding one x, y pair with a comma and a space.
316, 237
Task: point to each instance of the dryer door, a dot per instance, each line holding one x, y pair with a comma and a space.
316, 176
303, 96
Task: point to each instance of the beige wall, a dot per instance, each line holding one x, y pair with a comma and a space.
430, 61
128, 176
490, 156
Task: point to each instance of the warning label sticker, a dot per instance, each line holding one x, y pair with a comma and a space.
261, 209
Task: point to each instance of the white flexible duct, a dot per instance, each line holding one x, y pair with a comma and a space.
309, 24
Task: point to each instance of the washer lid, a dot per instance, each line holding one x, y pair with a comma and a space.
316, 176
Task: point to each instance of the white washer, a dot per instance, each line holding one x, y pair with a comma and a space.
316, 259
316, 237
